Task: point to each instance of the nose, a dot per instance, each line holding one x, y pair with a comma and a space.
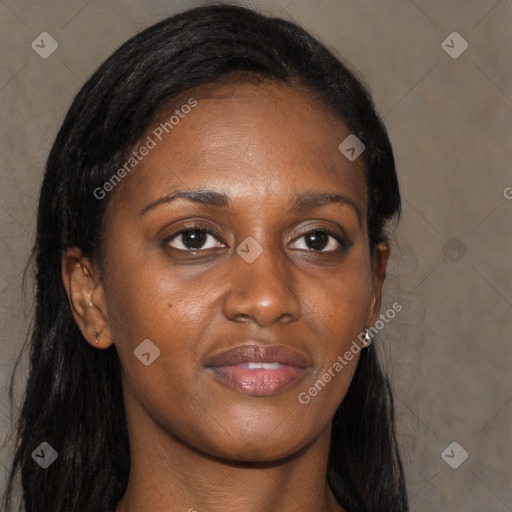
261, 291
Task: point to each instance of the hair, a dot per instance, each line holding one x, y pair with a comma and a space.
73, 398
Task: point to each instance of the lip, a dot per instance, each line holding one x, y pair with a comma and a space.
273, 368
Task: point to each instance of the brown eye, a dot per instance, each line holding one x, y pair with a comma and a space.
316, 240
320, 240
193, 239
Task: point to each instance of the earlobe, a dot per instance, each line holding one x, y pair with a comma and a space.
86, 297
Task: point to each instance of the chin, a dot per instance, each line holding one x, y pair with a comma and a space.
259, 445
271, 454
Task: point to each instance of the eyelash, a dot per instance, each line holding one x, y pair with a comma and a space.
208, 230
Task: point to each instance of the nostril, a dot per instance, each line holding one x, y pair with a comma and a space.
242, 317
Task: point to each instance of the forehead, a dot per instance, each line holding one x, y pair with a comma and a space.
261, 142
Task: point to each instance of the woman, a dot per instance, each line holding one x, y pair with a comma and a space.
210, 246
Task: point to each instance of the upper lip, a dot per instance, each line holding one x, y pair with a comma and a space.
257, 353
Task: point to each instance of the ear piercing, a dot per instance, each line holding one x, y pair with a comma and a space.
96, 334
367, 337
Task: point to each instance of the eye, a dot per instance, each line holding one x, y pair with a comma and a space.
321, 240
193, 238
198, 238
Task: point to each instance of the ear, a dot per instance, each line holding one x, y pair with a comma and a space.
379, 262
86, 297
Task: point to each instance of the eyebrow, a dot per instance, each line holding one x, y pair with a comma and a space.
205, 197
310, 200
302, 201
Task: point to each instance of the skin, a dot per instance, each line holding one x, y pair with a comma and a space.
195, 443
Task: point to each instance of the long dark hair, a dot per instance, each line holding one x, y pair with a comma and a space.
73, 398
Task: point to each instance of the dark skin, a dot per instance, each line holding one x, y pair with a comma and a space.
196, 443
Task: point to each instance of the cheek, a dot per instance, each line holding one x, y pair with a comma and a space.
153, 305
340, 309
342, 302
339, 313
168, 307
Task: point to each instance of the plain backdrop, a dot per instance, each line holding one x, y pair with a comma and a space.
448, 111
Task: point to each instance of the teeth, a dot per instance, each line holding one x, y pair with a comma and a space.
264, 366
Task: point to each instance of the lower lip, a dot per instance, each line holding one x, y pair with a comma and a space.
257, 382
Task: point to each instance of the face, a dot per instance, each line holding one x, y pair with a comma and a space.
251, 287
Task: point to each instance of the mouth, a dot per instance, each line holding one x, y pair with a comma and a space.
258, 370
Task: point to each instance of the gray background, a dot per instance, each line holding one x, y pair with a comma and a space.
448, 351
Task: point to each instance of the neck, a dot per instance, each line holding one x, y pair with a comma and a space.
167, 475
